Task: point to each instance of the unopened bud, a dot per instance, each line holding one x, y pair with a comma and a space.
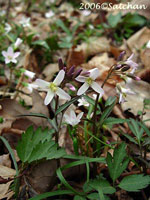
125, 68
120, 57
77, 72
71, 71
86, 73
60, 63
71, 87
136, 78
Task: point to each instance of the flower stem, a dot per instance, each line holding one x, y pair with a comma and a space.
94, 120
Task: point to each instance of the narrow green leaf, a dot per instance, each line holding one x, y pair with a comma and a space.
41, 43
61, 24
66, 105
110, 101
51, 194
134, 183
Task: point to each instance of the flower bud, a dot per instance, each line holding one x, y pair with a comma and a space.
61, 64
71, 71
71, 87
125, 68
77, 72
120, 57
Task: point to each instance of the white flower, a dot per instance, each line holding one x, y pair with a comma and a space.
29, 74
131, 63
49, 14
122, 92
148, 44
52, 88
90, 82
31, 86
2, 13
25, 22
86, 12
18, 42
10, 56
7, 28
83, 102
72, 119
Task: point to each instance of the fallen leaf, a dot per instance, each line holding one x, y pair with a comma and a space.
94, 46
140, 38
5, 160
135, 101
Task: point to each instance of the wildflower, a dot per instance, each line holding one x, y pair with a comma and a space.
30, 86
90, 82
2, 13
86, 12
49, 14
83, 102
28, 73
131, 63
71, 87
18, 42
10, 56
72, 119
123, 92
52, 88
148, 44
7, 28
25, 22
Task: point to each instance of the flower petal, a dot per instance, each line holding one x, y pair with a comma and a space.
96, 87
16, 54
94, 73
48, 97
41, 83
130, 58
13, 60
4, 53
62, 94
59, 78
80, 116
81, 79
10, 51
82, 89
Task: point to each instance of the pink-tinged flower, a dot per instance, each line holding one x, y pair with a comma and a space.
90, 82
29, 74
72, 119
49, 14
122, 92
148, 44
52, 88
131, 63
25, 22
10, 55
86, 12
83, 102
18, 42
31, 86
7, 28
71, 87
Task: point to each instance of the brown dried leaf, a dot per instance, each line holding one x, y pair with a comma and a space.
5, 160
94, 46
140, 38
135, 102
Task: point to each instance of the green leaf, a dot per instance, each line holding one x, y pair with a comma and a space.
134, 183
136, 130
51, 194
110, 101
95, 196
112, 121
77, 197
117, 164
36, 145
113, 20
107, 111
61, 24
41, 43
66, 105
97, 184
